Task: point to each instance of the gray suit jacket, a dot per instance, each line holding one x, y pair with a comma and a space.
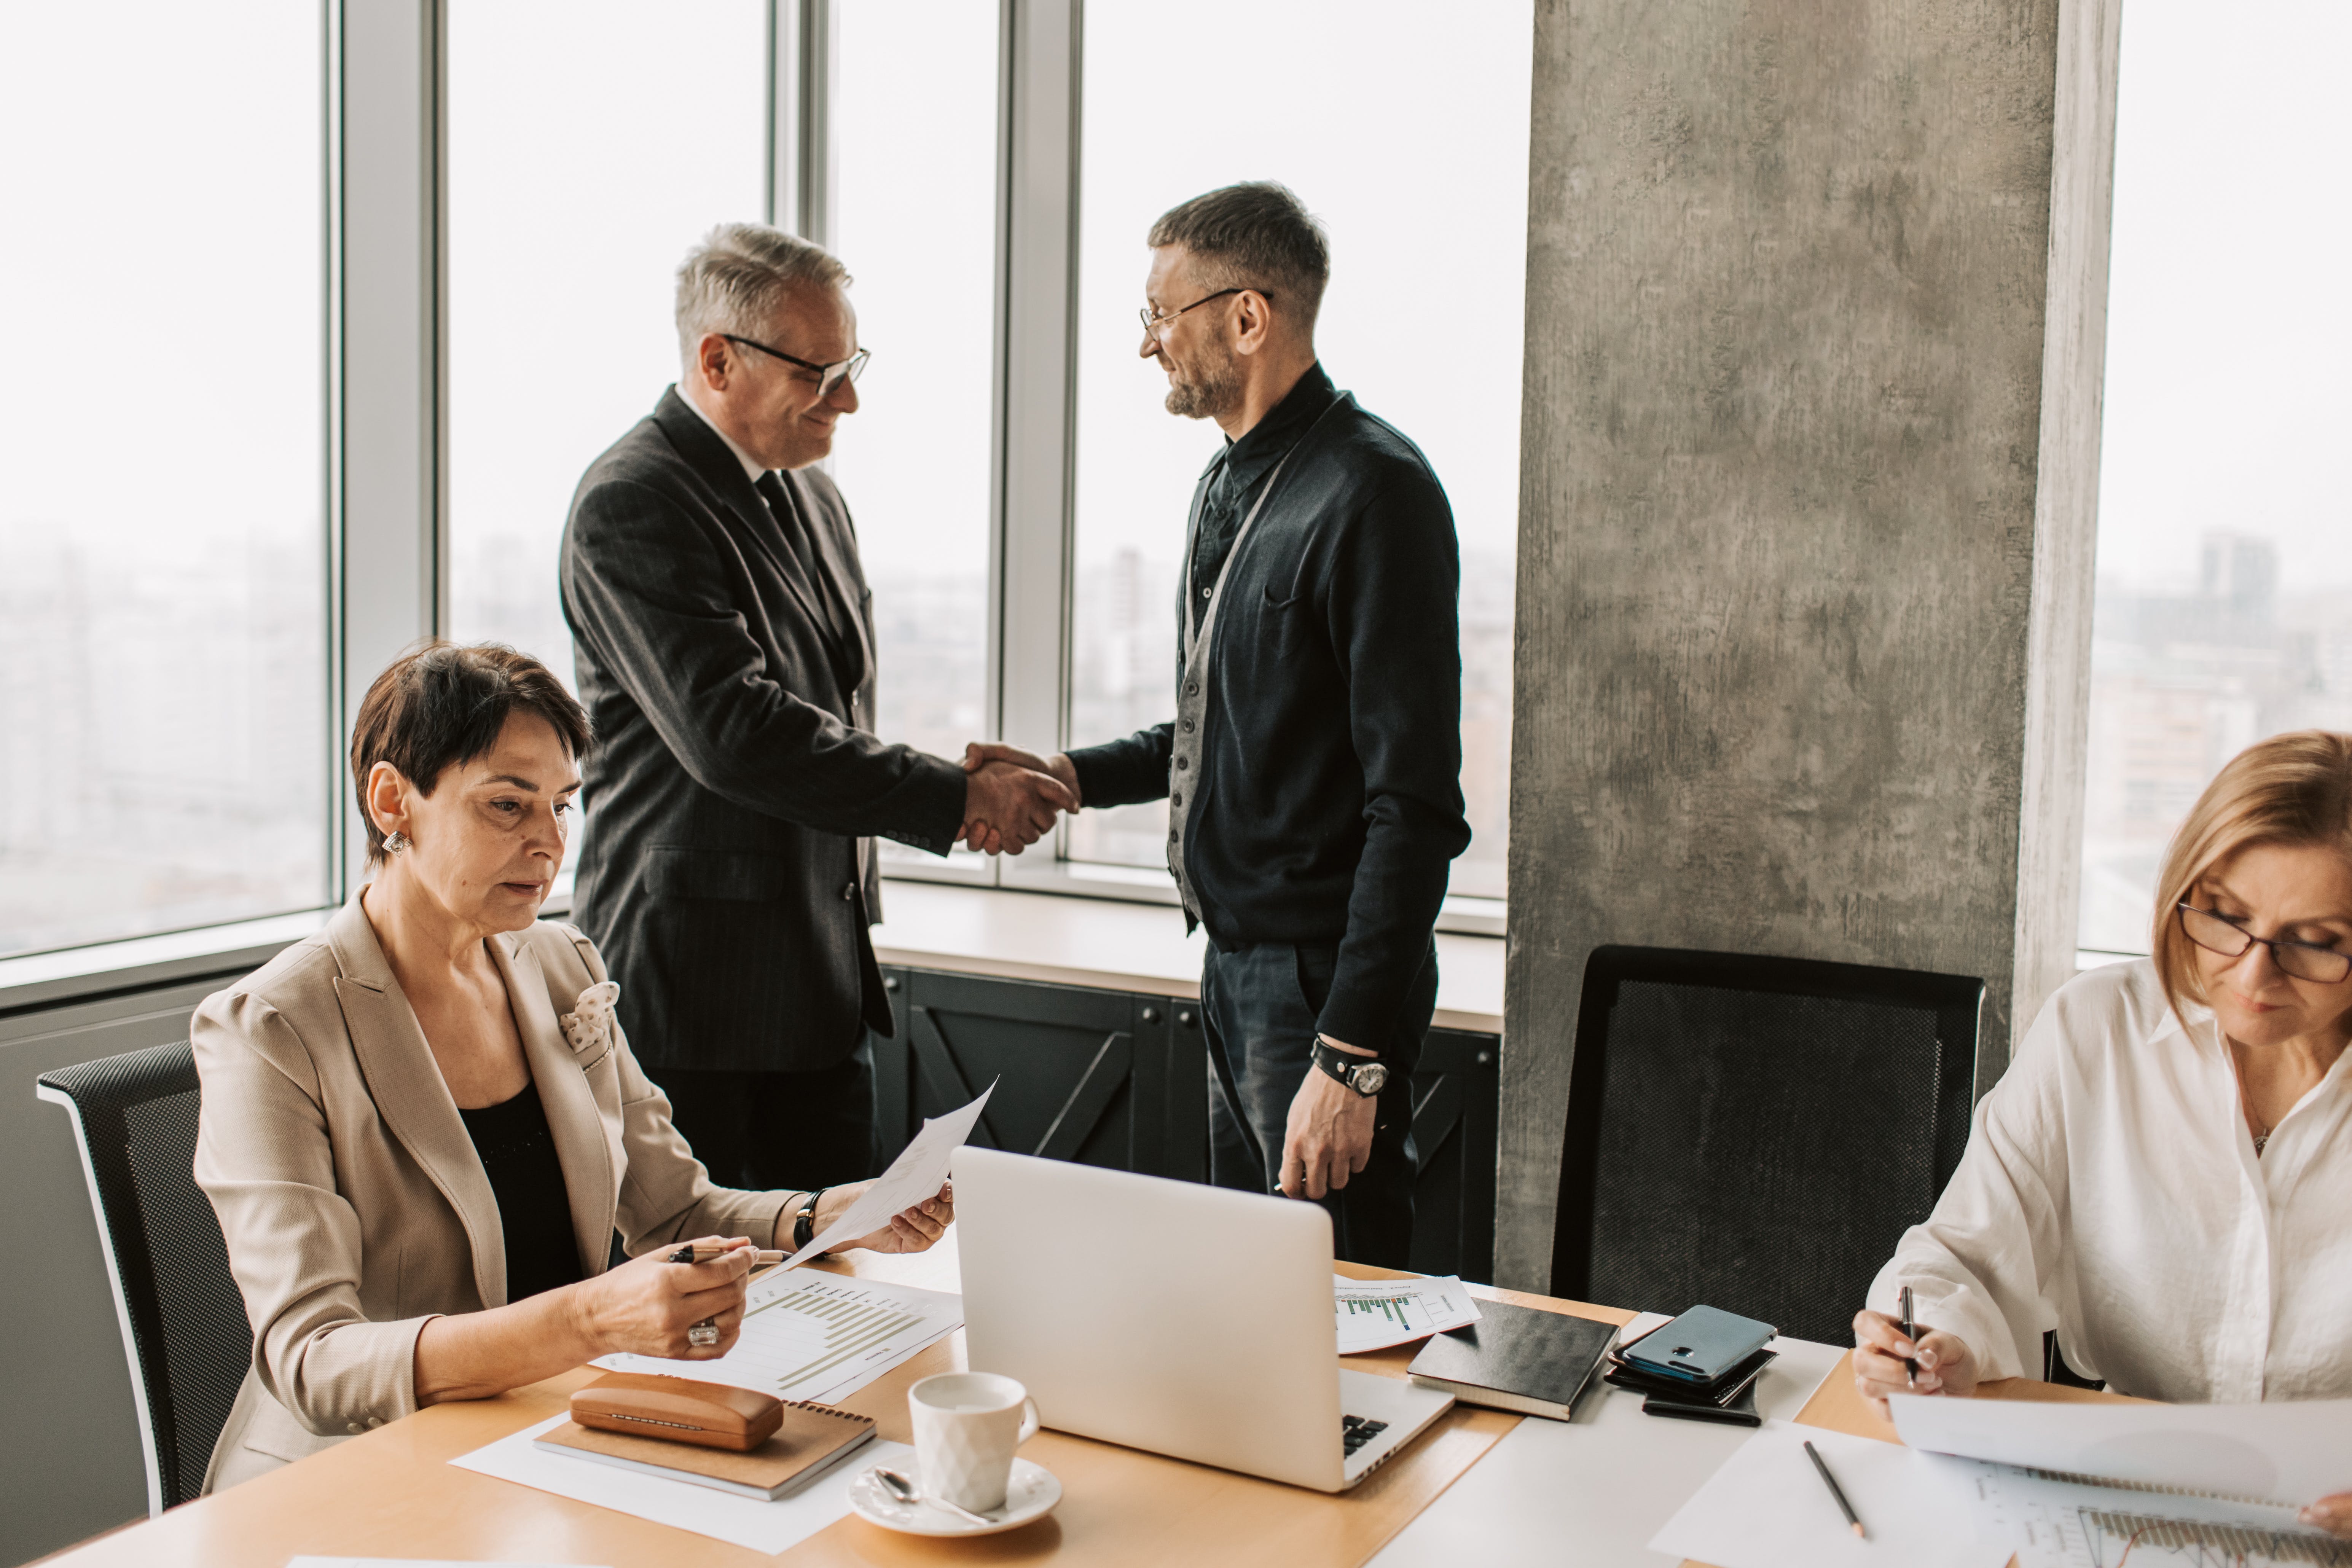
735, 769
350, 1194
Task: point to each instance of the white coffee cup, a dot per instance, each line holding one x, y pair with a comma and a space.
967, 1424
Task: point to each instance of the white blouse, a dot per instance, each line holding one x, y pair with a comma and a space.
2110, 1191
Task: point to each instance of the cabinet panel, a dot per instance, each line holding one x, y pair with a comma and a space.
1122, 1081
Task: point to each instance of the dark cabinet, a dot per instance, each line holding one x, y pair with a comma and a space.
1111, 1079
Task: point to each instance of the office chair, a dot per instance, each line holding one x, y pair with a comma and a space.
184, 1327
1755, 1134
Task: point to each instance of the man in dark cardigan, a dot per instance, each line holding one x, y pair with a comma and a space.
1312, 771
724, 643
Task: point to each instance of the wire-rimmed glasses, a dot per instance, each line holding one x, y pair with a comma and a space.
2303, 959
1156, 327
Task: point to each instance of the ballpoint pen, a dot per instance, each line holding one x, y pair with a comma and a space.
1910, 1332
1836, 1492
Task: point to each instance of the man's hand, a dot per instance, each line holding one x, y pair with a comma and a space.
998, 836
1329, 1135
1008, 807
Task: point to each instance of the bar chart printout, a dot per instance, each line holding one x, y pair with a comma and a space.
1377, 1312
2072, 1522
814, 1336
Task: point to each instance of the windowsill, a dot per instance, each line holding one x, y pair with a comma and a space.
1120, 946
1461, 915
143, 963
1066, 937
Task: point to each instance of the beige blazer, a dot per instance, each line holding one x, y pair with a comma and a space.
350, 1194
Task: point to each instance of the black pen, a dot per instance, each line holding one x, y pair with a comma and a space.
1836, 1492
1911, 1333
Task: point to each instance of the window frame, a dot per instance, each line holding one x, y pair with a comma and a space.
387, 364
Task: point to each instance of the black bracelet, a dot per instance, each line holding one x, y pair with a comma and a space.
805, 1226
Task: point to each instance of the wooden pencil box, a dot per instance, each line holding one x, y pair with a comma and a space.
678, 1410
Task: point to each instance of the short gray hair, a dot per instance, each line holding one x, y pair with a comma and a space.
1255, 235
736, 278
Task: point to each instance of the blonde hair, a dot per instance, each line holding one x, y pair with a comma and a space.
2294, 788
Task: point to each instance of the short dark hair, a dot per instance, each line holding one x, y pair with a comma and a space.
1257, 235
442, 704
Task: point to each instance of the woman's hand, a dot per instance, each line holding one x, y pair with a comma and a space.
910, 1230
2332, 1514
1879, 1348
647, 1305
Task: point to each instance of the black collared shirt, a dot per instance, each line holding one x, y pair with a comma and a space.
1235, 473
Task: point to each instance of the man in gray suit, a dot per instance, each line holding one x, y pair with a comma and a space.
724, 642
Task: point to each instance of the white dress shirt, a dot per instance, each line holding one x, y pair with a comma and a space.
2111, 1191
751, 469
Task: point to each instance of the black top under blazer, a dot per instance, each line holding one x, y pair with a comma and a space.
735, 767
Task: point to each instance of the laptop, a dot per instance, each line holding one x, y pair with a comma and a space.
1189, 1321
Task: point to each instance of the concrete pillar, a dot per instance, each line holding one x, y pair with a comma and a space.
1816, 306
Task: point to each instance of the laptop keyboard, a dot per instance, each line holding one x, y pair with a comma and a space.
1355, 1431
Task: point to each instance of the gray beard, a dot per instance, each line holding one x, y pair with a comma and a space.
1207, 395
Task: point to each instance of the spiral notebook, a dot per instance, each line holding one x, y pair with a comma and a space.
813, 1440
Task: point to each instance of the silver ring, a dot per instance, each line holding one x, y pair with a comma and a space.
704, 1333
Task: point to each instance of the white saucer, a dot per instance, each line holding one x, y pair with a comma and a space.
1030, 1493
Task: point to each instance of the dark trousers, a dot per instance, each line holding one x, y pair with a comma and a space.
1259, 1005
760, 1131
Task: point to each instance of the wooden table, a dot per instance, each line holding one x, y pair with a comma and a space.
393, 1493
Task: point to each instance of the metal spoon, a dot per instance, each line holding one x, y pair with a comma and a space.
903, 1489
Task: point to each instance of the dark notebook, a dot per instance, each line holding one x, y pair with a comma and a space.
1517, 1358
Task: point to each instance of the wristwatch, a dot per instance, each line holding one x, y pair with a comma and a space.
1366, 1075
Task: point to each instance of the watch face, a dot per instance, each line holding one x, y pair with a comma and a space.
1370, 1078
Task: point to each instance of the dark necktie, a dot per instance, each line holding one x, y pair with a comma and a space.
797, 543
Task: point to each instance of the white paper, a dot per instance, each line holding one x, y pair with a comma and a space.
2290, 1453
918, 1173
2053, 1523
748, 1522
1767, 1507
808, 1335
1375, 1313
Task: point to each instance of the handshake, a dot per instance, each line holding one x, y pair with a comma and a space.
1012, 796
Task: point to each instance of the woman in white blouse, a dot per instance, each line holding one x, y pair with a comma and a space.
2164, 1174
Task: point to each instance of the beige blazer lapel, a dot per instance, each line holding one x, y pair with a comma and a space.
573, 1117
409, 1093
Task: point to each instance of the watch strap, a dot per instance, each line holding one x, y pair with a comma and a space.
1341, 1065
805, 1224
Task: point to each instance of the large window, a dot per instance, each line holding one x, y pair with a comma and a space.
1412, 146
914, 147
2224, 610
367, 288
163, 702
590, 144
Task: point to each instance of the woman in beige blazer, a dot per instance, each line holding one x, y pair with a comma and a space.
423, 1127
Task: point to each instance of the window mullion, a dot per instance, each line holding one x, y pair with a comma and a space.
1038, 419
389, 402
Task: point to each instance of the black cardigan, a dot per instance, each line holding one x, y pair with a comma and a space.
1330, 800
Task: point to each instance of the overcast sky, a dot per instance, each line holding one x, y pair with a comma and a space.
2228, 330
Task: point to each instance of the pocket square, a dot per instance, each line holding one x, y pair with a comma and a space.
591, 1022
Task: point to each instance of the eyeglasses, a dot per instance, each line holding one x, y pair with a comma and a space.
828, 376
2300, 959
1157, 326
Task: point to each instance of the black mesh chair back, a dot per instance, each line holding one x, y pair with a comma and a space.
1755, 1134
184, 1327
